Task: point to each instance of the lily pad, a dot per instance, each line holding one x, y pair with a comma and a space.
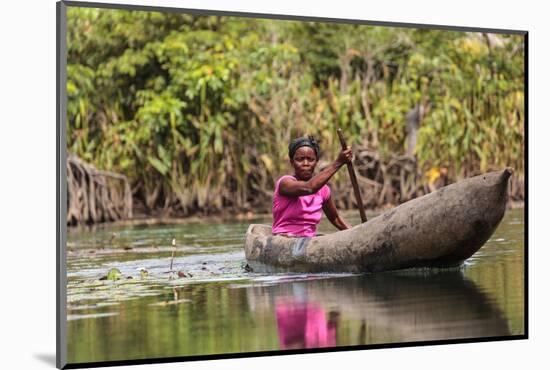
114, 274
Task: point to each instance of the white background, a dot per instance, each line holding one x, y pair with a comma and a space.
27, 183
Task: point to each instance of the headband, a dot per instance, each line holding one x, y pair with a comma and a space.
302, 141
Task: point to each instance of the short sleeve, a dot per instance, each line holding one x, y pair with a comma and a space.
278, 183
325, 193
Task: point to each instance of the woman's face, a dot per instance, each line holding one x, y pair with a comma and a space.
304, 162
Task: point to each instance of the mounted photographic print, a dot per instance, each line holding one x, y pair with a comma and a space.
235, 184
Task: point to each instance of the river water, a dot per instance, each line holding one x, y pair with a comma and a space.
209, 304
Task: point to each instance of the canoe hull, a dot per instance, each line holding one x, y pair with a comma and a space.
440, 229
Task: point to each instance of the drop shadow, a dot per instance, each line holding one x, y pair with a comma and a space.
47, 358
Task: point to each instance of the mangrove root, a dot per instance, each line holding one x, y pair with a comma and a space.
95, 196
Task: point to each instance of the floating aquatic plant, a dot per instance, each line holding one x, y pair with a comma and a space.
143, 273
113, 274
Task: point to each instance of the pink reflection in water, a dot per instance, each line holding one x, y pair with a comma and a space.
305, 325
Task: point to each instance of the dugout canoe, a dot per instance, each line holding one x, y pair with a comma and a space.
440, 229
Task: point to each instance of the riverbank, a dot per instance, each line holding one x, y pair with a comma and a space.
142, 219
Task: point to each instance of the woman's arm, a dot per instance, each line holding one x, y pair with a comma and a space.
295, 188
333, 216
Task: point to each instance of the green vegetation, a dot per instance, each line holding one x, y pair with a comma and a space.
114, 274
197, 112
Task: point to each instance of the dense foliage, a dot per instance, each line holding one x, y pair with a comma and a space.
197, 111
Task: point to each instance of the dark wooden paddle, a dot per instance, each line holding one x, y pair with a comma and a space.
353, 179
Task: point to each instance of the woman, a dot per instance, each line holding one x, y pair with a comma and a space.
298, 199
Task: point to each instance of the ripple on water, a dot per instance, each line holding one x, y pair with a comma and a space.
204, 255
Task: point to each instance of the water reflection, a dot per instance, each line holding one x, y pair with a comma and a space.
381, 308
224, 310
305, 325
288, 313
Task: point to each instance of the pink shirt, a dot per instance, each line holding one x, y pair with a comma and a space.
298, 216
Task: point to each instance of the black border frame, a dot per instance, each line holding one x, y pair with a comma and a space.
61, 191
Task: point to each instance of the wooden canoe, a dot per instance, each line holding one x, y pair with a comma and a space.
440, 229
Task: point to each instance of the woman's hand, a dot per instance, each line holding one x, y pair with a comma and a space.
295, 188
345, 156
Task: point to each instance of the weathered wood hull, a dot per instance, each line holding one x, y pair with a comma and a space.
440, 229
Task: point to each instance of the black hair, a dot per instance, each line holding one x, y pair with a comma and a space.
302, 141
